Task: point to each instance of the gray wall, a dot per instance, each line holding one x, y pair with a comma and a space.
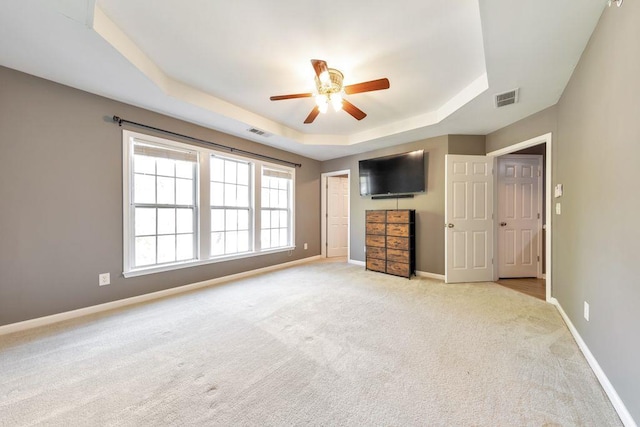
542, 122
596, 240
429, 206
467, 145
61, 193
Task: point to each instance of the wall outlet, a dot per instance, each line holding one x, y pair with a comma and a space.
558, 209
104, 279
306, 247
586, 311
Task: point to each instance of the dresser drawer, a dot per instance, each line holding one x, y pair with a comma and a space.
377, 241
398, 216
396, 243
376, 264
398, 268
376, 216
379, 253
376, 228
401, 230
398, 255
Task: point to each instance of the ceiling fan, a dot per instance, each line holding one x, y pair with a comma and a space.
330, 91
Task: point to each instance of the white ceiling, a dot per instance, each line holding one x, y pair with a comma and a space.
216, 63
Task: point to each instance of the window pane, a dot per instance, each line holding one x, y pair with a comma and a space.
230, 195
275, 219
166, 221
217, 169
144, 189
243, 196
273, 196
265, 239
265, 198
283, 202
185, 221
217, 219
166, 191
243, 220
265, 219
166, 248
266, 181
284, 219
230, 172
275, 242
231, 220
184, 192
284, 240
184, 169
217, 243
166, 167
243, 173
144, 164
145, 251
145, 221
184, 247
217, 194
282, 183
231, 243
243, 241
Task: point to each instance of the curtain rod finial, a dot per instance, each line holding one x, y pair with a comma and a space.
117, 119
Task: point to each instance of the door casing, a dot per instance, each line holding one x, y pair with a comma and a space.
542, 139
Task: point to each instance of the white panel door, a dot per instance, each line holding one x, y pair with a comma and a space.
519, 210
337, 216
468, 218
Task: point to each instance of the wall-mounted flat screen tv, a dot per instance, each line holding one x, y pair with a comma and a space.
395, 174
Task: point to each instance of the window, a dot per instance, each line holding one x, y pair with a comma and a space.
230, 206
276, 208
166, 184
163, 209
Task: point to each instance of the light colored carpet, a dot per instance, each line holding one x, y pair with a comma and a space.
319, 344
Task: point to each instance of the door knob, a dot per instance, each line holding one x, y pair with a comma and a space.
450, 225
502, 224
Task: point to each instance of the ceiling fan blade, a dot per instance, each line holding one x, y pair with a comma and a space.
367, 86
312, 115
292, 96
357, 113
319, 66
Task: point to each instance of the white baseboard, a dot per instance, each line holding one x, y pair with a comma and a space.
67, 315
430, 275
356, 262
620, 407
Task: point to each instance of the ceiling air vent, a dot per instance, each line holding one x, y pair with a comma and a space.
259, 132
507, 98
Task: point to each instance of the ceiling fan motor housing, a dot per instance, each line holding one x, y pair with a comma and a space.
333, 86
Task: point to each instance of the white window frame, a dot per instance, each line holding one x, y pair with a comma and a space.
203, 205
290, 207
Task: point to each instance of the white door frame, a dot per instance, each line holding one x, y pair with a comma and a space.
323, 210
539, 205
542, 139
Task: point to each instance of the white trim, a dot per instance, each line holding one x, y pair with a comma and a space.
542, 139
617, 403
356, 262
68, 315
430, 275
323, 210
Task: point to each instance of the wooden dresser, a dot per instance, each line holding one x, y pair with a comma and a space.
390, 241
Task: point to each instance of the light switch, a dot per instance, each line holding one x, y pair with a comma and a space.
558, 209
557, 192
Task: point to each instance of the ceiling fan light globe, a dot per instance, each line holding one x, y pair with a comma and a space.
323, 108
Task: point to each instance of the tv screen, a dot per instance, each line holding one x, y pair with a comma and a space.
395, 174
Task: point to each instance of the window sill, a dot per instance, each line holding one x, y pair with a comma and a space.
179, 265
